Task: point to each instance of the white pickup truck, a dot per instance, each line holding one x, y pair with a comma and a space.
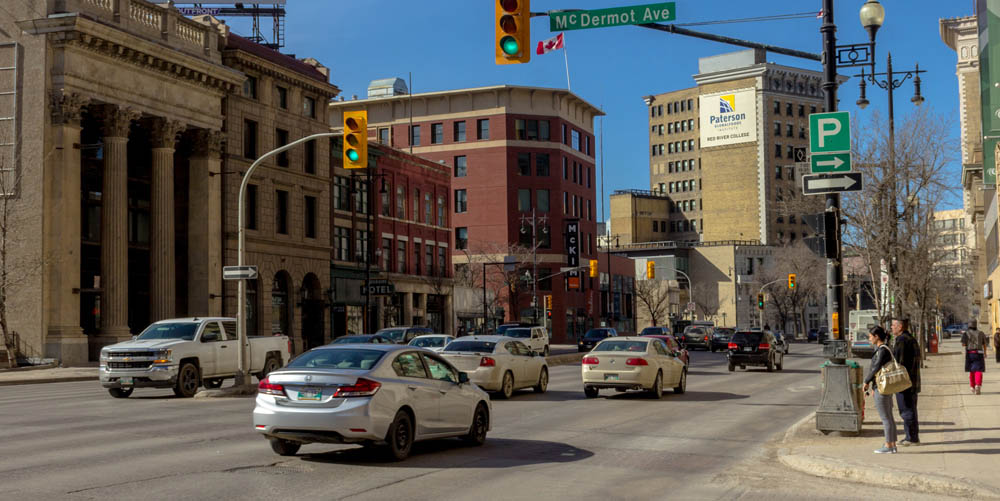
185, 353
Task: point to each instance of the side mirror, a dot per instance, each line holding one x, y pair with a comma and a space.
209, 336
463, 377
135, 337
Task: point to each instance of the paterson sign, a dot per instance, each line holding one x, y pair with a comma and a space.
728, 118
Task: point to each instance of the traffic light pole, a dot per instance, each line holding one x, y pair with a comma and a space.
834, 282
761, 310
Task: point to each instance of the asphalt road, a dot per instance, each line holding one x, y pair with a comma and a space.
73, 441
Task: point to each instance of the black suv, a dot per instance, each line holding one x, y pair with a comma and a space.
655, 331
594, 336
755, 348
720, 338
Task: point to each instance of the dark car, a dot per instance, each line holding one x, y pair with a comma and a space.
594, 336
697, 336
656, 331
780, 338
363, 339
673, 345
720, 338
404, 334
818, 334
757, 348
957, 330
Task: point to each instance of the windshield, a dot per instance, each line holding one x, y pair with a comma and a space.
649, 331
748, 337
471, 346
723, 332
353, 359
633, 346
429, 342
596, 334
394, 334
183, 331
522, 333
351, 339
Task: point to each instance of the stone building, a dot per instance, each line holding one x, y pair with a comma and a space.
288, 197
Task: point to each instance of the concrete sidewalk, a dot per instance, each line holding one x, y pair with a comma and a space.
959, 431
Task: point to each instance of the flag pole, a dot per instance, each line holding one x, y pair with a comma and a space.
566, 58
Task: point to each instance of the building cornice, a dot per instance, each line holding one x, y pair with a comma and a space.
241, 59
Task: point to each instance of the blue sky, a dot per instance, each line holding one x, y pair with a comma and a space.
448, 44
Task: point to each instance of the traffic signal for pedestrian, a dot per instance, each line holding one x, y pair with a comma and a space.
760, 301
355, 139
650, 270
791, 280
593, 268
513, 31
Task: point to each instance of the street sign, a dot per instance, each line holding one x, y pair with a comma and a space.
821, 184
831, 162
829, 132
239, 272
379, 287
800, 154
616, 16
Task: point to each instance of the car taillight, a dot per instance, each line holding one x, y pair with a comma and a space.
764, 346
706, 338
732, 346
590, 361
636, 361
361, 388
487, 362
268, 388
290, 346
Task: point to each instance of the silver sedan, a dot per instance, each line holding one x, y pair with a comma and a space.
499, 363
373, 395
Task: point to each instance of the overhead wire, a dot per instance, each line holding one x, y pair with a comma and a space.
779, 17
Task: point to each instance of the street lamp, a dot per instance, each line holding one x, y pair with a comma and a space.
371, 212
872, 16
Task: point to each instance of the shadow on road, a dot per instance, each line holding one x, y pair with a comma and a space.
702, 373
451, 453
548, 396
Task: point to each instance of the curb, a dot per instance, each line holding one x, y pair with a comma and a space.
839, 469
67, 379
50, 365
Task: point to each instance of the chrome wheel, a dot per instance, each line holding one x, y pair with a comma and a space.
507, 387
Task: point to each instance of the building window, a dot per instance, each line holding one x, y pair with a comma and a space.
249, 139
429, 259
386, 257
576, 140
565, 137
542, 164
428, 208
385, 203
442, 262
790, 130
281, 139
400, 202
361, 246
459, 132
802, 109
588, 177
542, 200
250, 87
341, 243
777, 128
441, 208
777, 107
565, 206
524, 200
309, 107
341, 193
460, 166
251, 209
310, 217
802, 132
777, 172
309, 158
565, 164
416, 258
415, 135
483, 128
777, 151
437, 133
461, 238
360, 197
401, 256
383, 135
416, 205
812, 109
524, 164
282, 97
281, 212
790, 152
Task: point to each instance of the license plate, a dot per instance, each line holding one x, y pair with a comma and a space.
125, 381
611, 377
310, 394
748, 348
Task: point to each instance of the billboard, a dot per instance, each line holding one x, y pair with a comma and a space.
728, 117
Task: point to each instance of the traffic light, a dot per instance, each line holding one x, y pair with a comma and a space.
760, 301
548, 301
513, 31
593, 268
548, 313
791, 280
355, 139
650, 270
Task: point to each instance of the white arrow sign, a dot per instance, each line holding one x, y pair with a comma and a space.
833, 163
239, 272
817, 184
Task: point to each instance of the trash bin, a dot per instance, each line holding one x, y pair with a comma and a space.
933, 345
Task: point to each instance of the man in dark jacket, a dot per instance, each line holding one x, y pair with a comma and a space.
907, 353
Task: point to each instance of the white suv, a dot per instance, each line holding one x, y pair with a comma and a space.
535, 337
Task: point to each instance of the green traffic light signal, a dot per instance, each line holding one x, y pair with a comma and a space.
509, 46
352, 154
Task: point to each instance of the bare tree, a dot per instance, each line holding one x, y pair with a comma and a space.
653, 296
485, 269
707, 300
15, 264
810, 283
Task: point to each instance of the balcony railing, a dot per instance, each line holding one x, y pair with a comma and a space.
149, 20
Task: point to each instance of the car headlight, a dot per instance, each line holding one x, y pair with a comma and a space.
162, 357
104, 355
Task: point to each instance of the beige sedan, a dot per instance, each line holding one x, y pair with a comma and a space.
633, 363
498, 363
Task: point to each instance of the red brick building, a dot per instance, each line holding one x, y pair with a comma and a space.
510, 150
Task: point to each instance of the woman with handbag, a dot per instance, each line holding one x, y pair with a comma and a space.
883, 403
996, 344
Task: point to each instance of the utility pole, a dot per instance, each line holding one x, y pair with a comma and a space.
534, 221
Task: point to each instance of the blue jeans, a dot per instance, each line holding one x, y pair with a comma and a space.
884, 405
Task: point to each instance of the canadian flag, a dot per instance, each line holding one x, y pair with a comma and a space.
554, 43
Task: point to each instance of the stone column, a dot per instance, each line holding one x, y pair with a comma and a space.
162, 262
205, 224
61, 215
407, 308
114, 221
448, 312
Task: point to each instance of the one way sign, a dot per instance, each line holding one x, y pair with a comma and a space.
821, 184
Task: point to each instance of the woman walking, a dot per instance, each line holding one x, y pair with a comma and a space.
996, 344
877, 337
974, 341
